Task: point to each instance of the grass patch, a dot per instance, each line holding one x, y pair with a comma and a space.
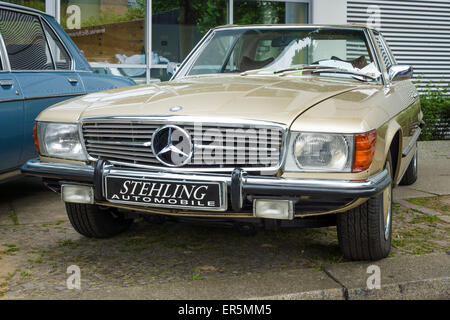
35, 260
12, 215
11, 249
9, 245
195, 276
418, 201
423, 248
66, 243
434, 203
25, 274
425, 218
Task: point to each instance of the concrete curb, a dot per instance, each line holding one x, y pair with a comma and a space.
406, 277
421, 289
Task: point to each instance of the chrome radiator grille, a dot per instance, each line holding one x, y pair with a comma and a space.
129, 143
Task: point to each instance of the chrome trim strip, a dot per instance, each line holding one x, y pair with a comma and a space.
11, 100
289, 26
375, 50
412, 142
4, 176
72, 61
52, 55
189, 56
74, 94
349, 185
4, 55
58, 170
58, 70
251, 184
245, 123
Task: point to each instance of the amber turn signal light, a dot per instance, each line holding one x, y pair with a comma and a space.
364, 150
35, 138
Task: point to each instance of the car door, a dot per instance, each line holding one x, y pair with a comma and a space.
42, 66
404, 103
11, 120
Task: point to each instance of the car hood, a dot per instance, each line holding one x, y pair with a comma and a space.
267, 98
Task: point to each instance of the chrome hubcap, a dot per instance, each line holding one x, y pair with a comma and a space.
415, 160
387, 205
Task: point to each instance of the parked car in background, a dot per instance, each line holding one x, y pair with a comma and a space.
39, 66
269, 125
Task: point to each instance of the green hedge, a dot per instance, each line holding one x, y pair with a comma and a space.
435, 101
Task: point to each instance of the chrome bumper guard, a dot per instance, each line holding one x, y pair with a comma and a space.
239, 182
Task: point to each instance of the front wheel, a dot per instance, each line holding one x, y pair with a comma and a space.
364, 232
411, 172
96, 222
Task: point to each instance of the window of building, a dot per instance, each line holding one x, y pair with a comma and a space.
270, 12
34, 4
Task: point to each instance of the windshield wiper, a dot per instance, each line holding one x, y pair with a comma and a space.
313, 68
344, 71
290, 69
245, 73
297, 68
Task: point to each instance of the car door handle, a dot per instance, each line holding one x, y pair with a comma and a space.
6, 83
72, 80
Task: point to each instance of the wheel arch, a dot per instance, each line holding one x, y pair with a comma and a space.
393, 143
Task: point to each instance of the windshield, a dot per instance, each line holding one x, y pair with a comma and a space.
273, 50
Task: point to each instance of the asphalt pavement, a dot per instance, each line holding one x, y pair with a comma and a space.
177, 261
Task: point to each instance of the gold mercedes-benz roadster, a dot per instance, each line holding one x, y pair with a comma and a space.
259, 126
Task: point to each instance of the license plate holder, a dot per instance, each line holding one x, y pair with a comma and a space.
166, 193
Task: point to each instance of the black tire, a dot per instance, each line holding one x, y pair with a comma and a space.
361, 231
95, 222
411, 172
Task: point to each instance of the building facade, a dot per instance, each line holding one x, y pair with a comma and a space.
155, 34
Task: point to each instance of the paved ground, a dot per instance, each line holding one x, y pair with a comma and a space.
181, 260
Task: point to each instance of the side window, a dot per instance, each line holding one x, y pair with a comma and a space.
385, 54
25, 41
60, 55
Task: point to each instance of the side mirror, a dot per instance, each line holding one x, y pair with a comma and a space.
399, 72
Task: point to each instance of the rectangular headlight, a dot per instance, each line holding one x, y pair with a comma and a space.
60, 140
328, 152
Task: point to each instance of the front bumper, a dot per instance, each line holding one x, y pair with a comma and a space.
239, 184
